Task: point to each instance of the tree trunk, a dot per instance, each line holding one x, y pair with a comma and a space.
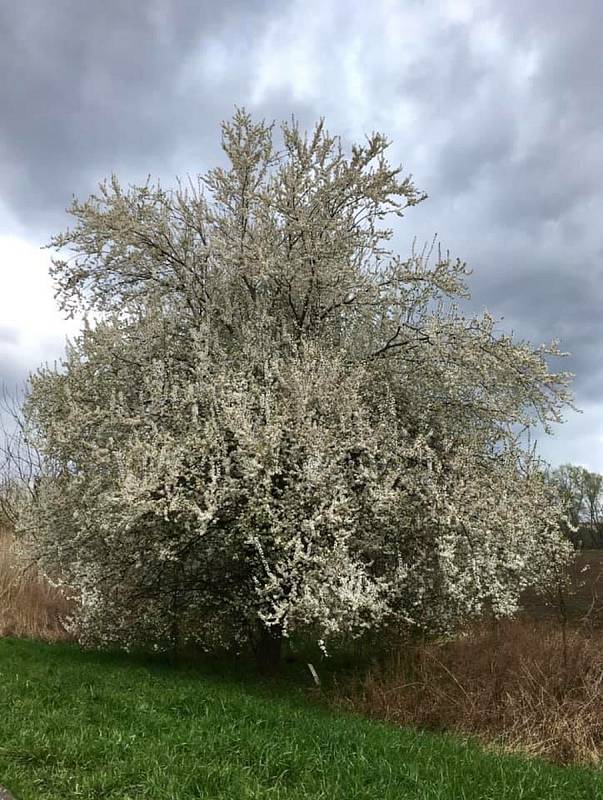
268, 650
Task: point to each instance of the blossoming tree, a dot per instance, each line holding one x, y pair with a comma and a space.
275, 424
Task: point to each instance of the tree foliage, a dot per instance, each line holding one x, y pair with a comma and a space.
581, 492
274, 424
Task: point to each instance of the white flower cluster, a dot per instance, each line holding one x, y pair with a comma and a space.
276, 424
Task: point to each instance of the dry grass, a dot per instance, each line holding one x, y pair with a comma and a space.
29, 606
533, 684
514, 685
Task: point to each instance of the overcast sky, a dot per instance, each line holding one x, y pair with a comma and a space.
494, 107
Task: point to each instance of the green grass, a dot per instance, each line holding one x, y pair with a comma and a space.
85, 725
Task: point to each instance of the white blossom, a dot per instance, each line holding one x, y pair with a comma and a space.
277, 423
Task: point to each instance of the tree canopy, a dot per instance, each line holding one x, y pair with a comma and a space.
274, 424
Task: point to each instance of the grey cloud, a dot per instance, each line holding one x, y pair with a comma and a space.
8, 335
446, 81
474, 151
516, 183
92, 88
541, 306
512, 163
547, 183
13, 372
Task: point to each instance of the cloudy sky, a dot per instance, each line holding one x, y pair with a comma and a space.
494, 107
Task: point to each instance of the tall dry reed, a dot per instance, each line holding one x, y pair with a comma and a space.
29, 606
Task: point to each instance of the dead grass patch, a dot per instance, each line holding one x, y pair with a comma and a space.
29, 606
519, 685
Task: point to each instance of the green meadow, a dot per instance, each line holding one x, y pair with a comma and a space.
87, 725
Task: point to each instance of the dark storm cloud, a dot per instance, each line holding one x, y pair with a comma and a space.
495, 107
515, 171
548, 194
541, 303
88, 88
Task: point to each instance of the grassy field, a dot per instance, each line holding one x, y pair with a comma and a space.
84, 725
